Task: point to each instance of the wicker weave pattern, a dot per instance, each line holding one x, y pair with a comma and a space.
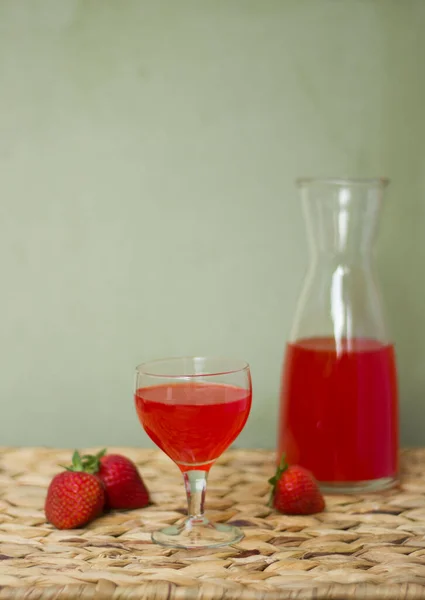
368, 547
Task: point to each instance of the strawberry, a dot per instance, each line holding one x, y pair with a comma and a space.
295, 491
124, 487
74, 497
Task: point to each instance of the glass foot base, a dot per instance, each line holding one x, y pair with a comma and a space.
358, 487
197, 533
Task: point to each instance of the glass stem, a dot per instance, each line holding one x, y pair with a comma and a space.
196, 486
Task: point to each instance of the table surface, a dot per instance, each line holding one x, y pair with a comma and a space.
368, 547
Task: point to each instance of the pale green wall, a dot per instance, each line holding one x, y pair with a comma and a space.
147, 155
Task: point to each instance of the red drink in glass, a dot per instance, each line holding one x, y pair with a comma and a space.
193, 423
193, 408
339, 409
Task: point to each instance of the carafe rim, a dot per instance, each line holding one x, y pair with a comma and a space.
380, 182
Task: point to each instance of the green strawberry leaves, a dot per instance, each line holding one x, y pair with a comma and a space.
87, 463
275, 479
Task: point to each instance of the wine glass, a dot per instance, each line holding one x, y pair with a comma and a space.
193, 408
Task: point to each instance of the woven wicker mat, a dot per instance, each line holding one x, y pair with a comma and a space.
365, 547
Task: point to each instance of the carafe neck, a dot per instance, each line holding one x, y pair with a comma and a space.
342, 218
340, 299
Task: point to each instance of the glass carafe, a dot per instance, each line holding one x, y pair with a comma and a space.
338, 399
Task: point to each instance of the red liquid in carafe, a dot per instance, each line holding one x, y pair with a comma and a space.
339, 409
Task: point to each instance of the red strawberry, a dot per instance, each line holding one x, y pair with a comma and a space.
124, 487
74, 497
295, 491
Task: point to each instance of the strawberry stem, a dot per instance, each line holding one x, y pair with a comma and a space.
88, 463
274, 480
